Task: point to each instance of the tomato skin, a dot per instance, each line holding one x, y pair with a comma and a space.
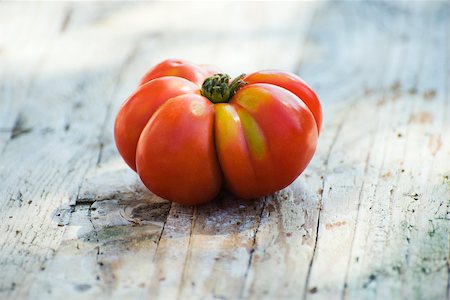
175, 156
294, 84
265, 137
137, 110
180, 68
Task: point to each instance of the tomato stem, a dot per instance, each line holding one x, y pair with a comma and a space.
219, 89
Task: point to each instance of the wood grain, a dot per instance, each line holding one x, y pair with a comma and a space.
368, 219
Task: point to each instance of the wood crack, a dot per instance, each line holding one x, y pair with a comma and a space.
66, 20
366, 168
448, 274
308, 274
330, 149
252, 250
19, 127
133, 53
161, 234
97, 255
187, 259
345, 286
392, 198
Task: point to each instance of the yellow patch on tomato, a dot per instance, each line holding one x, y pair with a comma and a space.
252, 98
253, 134
227, 121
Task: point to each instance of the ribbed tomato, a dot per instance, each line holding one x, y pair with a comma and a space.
253, 135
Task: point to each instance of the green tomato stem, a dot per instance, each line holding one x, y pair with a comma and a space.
219, 89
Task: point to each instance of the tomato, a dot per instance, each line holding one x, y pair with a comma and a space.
189, 134
180, 68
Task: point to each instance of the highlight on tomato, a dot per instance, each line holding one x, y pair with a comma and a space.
190, 131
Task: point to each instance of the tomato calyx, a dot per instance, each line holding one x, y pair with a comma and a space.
219, 89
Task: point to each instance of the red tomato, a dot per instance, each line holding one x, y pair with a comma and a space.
180, 68
253, 135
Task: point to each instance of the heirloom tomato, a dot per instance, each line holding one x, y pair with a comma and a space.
190, 131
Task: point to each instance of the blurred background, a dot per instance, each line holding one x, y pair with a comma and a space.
339, 48
333, 46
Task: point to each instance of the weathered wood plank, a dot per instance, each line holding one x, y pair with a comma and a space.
367, 219
382, 183
22, 50
386, 228
422, 269
65, 107
346, 171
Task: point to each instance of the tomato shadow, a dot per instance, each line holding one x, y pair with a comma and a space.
112, 195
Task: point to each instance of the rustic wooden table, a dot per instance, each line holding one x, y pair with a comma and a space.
368, 219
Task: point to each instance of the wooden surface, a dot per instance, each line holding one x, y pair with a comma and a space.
368, 219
